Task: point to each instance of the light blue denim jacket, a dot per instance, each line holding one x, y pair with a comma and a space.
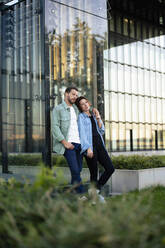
85, 131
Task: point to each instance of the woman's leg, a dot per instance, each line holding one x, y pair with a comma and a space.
93, 168
106, 162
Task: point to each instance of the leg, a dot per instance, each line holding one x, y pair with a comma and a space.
78, 155
71, 157
106, 162
93, 168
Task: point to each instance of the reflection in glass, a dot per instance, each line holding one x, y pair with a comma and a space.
114, 136
76, 48
120, 78
121, 107
122, 137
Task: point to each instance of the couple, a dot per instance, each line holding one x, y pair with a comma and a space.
77, 132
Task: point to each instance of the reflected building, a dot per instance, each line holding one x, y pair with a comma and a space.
116, 59
134, 79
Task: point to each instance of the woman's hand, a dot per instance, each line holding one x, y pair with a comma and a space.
97, 114
89, 153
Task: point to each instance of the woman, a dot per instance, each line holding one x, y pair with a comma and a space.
91, 129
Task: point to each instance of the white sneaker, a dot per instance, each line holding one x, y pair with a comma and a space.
93, 192
83, 198
101, 198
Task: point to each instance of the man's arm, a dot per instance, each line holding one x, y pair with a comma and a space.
56, 130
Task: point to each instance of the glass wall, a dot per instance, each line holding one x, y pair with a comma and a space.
44, 42
135, 77
21, 77
76, 37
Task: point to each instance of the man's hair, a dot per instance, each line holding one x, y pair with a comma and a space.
68, 90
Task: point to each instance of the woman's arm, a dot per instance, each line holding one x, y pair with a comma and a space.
83, 132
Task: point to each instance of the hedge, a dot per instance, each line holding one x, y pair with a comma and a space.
134, 162
31, 217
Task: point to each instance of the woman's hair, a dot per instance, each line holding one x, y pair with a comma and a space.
78, 102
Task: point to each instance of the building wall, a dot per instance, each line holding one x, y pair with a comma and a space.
54, 43
135, 76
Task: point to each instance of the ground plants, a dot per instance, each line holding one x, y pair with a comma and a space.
39, 216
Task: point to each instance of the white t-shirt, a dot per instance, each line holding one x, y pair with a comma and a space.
73, 135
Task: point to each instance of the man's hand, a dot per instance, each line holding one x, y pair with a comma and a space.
67, 145
89, 153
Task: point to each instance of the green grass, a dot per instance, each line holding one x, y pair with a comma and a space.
31, 217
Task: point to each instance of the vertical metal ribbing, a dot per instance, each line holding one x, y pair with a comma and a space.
0, 83
45, 72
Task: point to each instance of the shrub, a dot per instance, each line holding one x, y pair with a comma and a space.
136, 162
30, 217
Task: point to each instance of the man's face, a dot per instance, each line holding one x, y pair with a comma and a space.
72, 96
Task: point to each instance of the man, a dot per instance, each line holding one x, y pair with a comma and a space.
66, 138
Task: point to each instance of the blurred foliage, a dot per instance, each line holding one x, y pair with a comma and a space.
32, 216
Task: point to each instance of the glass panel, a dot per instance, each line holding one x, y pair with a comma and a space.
120, 52
122, 137
163, 136
153, 83
121, 108
148, 109
113, 77
107, 135
141, 108
141, 136
162, 60
120, 78
153, 110
159, 110
22, 78
135, 112
146, 55
114, 137
134, 53
163, 85
128, 108
118, 24
134, 81
152, 57
128, 136
153, 137
76, 41
99, 9
135, 137
127, 79
114, 107
163, 110
148, 138
160, 137
127, 53
113, 50
157, 56
141, 81
158, 84
147, 84
107, 105
140, 54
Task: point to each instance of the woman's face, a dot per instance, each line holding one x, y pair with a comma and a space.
84, 105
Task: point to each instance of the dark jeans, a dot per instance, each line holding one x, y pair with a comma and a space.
101, 156
74, 160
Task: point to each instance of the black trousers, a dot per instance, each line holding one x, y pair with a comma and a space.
101, 156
